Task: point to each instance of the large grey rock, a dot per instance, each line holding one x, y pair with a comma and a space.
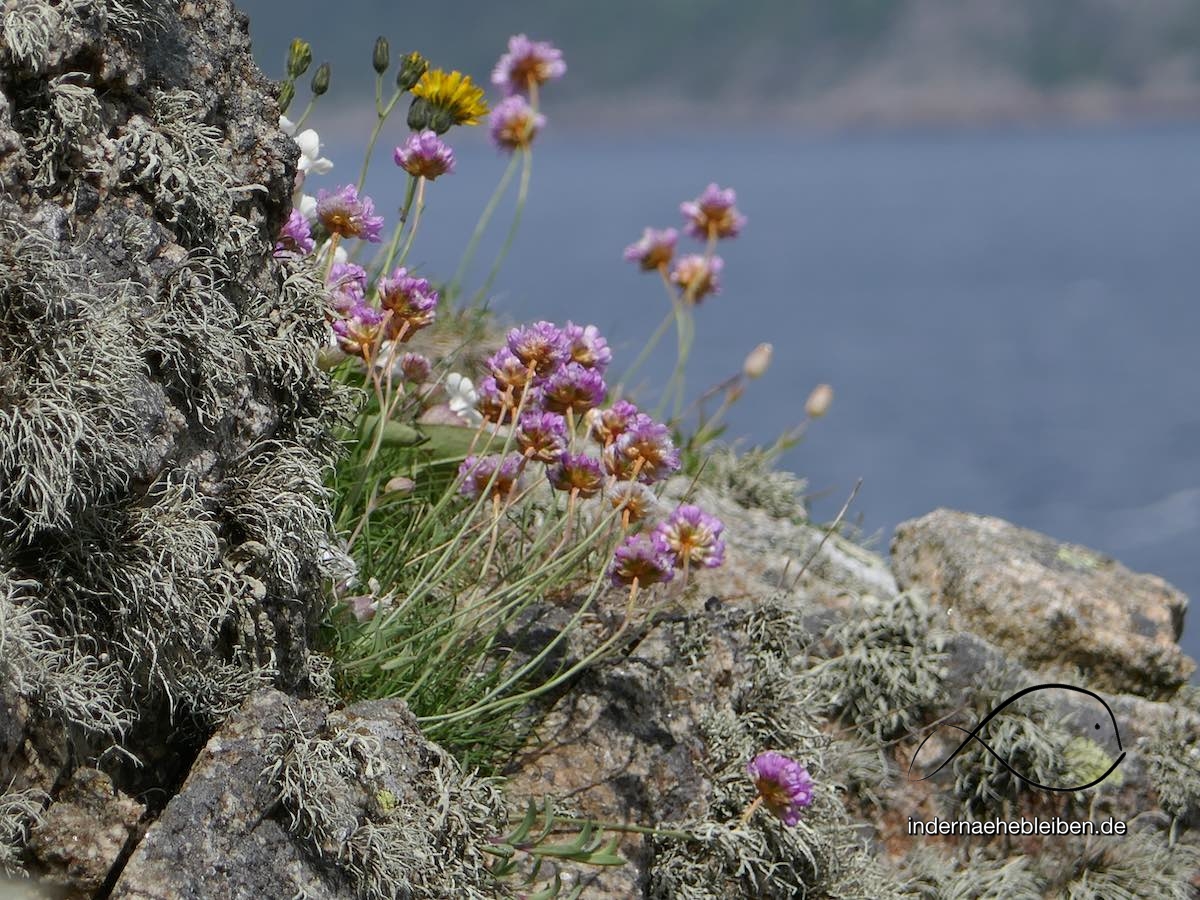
1048, 603
163, 423
290, 800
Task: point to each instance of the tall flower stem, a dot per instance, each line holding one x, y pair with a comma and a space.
522, 196
647, 350
481, 226
381, 116
409, 195
416, 222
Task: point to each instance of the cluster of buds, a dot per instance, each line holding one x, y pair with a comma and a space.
710, 217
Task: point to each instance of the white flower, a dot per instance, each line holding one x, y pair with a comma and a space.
310, 149
311, 162
322, 254
308, 206
463, 397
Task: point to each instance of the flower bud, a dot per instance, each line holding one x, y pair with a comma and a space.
287, 93
320, 82
381, 58
399, 485
758, 361
299, 58
819, 401
419, 113
412, 67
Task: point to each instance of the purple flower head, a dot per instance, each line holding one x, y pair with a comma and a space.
492, 404
342, 212
540, 346
587, 346
636, 501
784, 785
514, 124
645, 452
425, 155
698, 276
415, 368
347, 286
501, 472
654, 250
713, 214
609, 424
694, 536
578, 473
295, 238
527, 62
411, 301
510, 373
573, 388
644, 559
358, 331
542, 436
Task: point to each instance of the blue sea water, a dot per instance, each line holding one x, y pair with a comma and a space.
1009, 318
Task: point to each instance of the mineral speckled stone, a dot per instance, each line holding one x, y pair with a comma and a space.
1048, 603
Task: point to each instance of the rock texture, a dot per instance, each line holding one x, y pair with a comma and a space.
288, 800
163, 425
1046, 602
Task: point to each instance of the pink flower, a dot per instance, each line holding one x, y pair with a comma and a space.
527, 62
576, 472
425, 155
713, 214
654, 250
695, 536
698, 276
514, 124
587, 346
784, 785
295, 238
343, 213
644, 559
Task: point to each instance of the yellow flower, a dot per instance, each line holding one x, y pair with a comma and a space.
454, 95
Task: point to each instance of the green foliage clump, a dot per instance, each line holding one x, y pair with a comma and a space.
1139, 866
887, 668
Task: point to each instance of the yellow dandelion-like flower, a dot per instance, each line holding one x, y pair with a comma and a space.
451, 96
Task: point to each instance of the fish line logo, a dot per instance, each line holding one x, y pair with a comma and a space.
1104, 725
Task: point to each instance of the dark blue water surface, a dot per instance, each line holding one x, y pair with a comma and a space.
1010, 319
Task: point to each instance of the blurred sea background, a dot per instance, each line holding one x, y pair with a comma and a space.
979, 222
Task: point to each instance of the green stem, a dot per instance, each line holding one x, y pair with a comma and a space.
522, 196
480, 227
416, 222
394, 245
380, 118
645, 354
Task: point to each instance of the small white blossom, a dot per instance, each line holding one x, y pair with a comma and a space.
462, 397
311, 161
307, 206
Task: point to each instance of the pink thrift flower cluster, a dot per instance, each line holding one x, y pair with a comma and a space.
547, 383
710, 217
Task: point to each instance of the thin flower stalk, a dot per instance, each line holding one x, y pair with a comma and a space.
481, 226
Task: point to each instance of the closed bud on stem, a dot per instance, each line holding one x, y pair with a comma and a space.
299, 58
419, 114
320, 82
819, 401
412, 67
758, 361
381, 58
287, 93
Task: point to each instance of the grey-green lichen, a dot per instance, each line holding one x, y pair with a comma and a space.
886, 667
825, 854
416, 834
751, 479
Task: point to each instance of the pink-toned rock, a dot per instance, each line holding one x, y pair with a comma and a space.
1047, 603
